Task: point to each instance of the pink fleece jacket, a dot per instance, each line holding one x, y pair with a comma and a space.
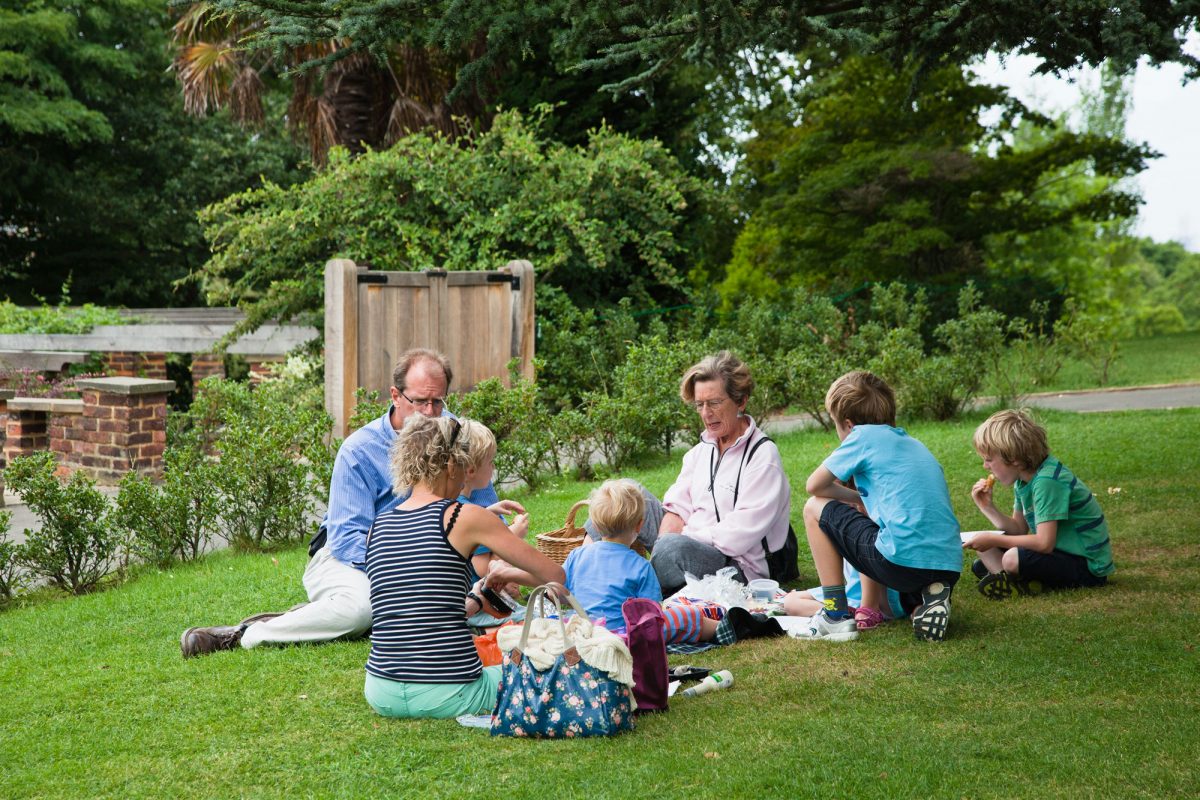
763, 501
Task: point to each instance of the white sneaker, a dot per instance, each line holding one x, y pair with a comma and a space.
821, 627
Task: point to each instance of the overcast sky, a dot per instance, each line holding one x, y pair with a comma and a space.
1165, 115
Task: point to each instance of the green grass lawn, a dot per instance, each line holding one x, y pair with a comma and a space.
1079, 694
1140, 362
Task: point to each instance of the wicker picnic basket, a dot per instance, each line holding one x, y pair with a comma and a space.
558, 544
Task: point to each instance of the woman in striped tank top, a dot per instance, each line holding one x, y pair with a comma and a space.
423, 661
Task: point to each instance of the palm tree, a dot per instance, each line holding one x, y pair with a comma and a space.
356, 102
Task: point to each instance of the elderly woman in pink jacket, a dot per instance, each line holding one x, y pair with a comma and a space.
731, 502
729, 507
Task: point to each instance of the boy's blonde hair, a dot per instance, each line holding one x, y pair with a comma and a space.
426, 447
1014, 437
616, 507
863, 398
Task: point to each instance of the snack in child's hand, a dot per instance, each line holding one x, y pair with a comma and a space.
989, 481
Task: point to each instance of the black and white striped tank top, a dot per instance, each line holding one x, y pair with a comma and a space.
419, 585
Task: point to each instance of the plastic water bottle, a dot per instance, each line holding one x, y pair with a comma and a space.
717, 680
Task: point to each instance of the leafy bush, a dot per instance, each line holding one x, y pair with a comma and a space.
574, 443
642, 412
1158, 319
515, 416
601, 220
367, 408
34, 383
77, 542
178, 520
578, 348
273, 458
1093, 336
12, 577
61, 318
1031, 358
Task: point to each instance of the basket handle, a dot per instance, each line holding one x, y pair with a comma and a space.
570, 523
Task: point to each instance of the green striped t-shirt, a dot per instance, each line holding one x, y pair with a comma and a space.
1055, 493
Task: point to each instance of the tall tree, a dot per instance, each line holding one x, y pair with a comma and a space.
655, 35
101, 173
871, 184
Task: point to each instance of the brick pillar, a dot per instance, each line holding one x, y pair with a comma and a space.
5, 396
205, 365
129, 364
124, 426
66, 433
26, 431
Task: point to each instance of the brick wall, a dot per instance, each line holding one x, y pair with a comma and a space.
128, 364
205, 365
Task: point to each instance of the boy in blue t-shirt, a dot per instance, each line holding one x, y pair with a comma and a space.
603, 575
896, 526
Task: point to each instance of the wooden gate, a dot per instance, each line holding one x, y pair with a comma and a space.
480, 320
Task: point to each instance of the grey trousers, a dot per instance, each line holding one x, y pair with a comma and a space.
676, 554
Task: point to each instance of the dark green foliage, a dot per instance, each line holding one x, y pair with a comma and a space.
578, 348
1171, 276
653, 36
873, 186
641, 412
77, 542
100, 170
518, 421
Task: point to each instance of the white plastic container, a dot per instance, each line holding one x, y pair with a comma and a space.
763, 589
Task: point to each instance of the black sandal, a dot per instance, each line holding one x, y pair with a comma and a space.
687, 672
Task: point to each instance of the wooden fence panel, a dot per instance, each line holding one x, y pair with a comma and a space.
480, 320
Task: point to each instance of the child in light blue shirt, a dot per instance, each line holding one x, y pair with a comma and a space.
896, 526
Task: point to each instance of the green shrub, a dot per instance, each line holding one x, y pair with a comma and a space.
367, 408
574, 443
642, 411
77, 542
578, 349
273, 458
12, 576
1157, 320
61, 318
178, 520
1031, 358
1093, 335
524, 447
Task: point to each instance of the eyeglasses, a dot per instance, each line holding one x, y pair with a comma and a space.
433, 402
456, 430
711, 405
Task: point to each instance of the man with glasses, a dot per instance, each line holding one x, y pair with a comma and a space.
339, 593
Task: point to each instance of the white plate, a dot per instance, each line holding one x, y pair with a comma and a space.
966, 535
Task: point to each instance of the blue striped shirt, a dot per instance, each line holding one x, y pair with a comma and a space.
361, 490
419, 584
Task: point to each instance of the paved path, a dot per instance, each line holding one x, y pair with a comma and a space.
1141, 397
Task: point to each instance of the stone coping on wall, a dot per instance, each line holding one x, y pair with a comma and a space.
126, 386
268, 340
55, 405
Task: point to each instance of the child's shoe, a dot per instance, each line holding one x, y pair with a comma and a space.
978, 569
1001, 585
843, 630
867, 618
932, 617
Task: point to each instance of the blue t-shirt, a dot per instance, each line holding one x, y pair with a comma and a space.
904, 490
603, 575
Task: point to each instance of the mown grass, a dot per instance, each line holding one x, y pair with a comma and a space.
1078, 694
1163, 359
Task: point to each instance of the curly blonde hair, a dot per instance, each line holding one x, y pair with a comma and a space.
1014, 437
426, 447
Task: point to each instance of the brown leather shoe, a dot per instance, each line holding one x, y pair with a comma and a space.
202, 641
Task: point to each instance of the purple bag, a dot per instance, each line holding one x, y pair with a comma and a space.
644, 633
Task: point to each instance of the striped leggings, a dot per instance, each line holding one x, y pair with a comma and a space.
682, 616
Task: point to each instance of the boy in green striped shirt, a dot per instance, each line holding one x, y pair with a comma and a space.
1056, 536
